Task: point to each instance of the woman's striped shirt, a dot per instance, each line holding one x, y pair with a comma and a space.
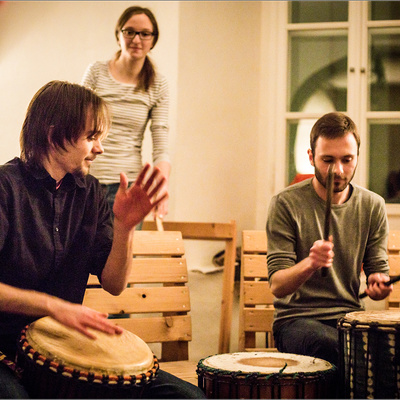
131, 110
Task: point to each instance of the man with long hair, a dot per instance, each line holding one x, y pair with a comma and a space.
56, 226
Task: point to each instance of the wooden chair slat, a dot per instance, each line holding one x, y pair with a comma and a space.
159, 329
394, 264
257, 293
152, 243
255, 266
140, 300
164, 270
394, 242
197, 230
393, 300
254, 241
395, 295
256, 319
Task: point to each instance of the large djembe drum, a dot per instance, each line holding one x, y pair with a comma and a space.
369, 354
266, 375
58, 362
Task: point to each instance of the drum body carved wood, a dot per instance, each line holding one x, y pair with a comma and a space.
369, 354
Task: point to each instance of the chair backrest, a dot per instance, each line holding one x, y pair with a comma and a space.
156, 304
219, 231
393, 300
256, 311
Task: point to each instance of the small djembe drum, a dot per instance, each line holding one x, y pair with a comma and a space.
266, 375
369, 354
58, 362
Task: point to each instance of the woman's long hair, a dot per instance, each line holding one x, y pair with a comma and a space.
147, 74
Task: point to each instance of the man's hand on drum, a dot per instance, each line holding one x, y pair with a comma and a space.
376, 290
134, 203
83, 319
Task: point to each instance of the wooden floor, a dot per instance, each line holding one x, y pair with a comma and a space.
185, 370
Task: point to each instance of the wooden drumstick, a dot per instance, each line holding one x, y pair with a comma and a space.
388, 283
329, 192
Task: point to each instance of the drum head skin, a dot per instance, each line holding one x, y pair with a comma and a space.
115, 354
266, 363
386, 317
266, 375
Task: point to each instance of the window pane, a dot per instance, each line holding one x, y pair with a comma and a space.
318, 11
384, 161
384, 82
385, 10
298, 144
314, 76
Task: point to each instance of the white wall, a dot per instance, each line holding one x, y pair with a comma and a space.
210, 54
216, 148
41, 41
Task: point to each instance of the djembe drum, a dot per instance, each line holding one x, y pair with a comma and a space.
266, 375
369, 354
58, 362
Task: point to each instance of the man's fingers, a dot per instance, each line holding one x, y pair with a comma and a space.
158, 201
152, 178
142, 174
157, 187
123, 181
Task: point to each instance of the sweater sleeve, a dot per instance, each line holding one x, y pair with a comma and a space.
281, 237
375, 258
159, 123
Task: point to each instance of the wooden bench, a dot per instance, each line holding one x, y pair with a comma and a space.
156, 304
256, 310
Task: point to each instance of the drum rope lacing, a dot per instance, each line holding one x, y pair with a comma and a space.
10, 364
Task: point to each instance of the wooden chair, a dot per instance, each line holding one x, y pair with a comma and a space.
156, 304
393, 300
256, 310
212, 231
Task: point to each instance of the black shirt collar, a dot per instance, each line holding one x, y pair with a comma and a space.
69, 182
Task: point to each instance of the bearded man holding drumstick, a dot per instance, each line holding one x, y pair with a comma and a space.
316, 281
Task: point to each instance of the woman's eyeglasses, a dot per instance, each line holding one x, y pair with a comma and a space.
131, 34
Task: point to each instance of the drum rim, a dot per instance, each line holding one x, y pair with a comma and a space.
99, 378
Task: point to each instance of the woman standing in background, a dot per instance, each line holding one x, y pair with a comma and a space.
136, 94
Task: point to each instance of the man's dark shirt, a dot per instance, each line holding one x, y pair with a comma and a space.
50, 239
